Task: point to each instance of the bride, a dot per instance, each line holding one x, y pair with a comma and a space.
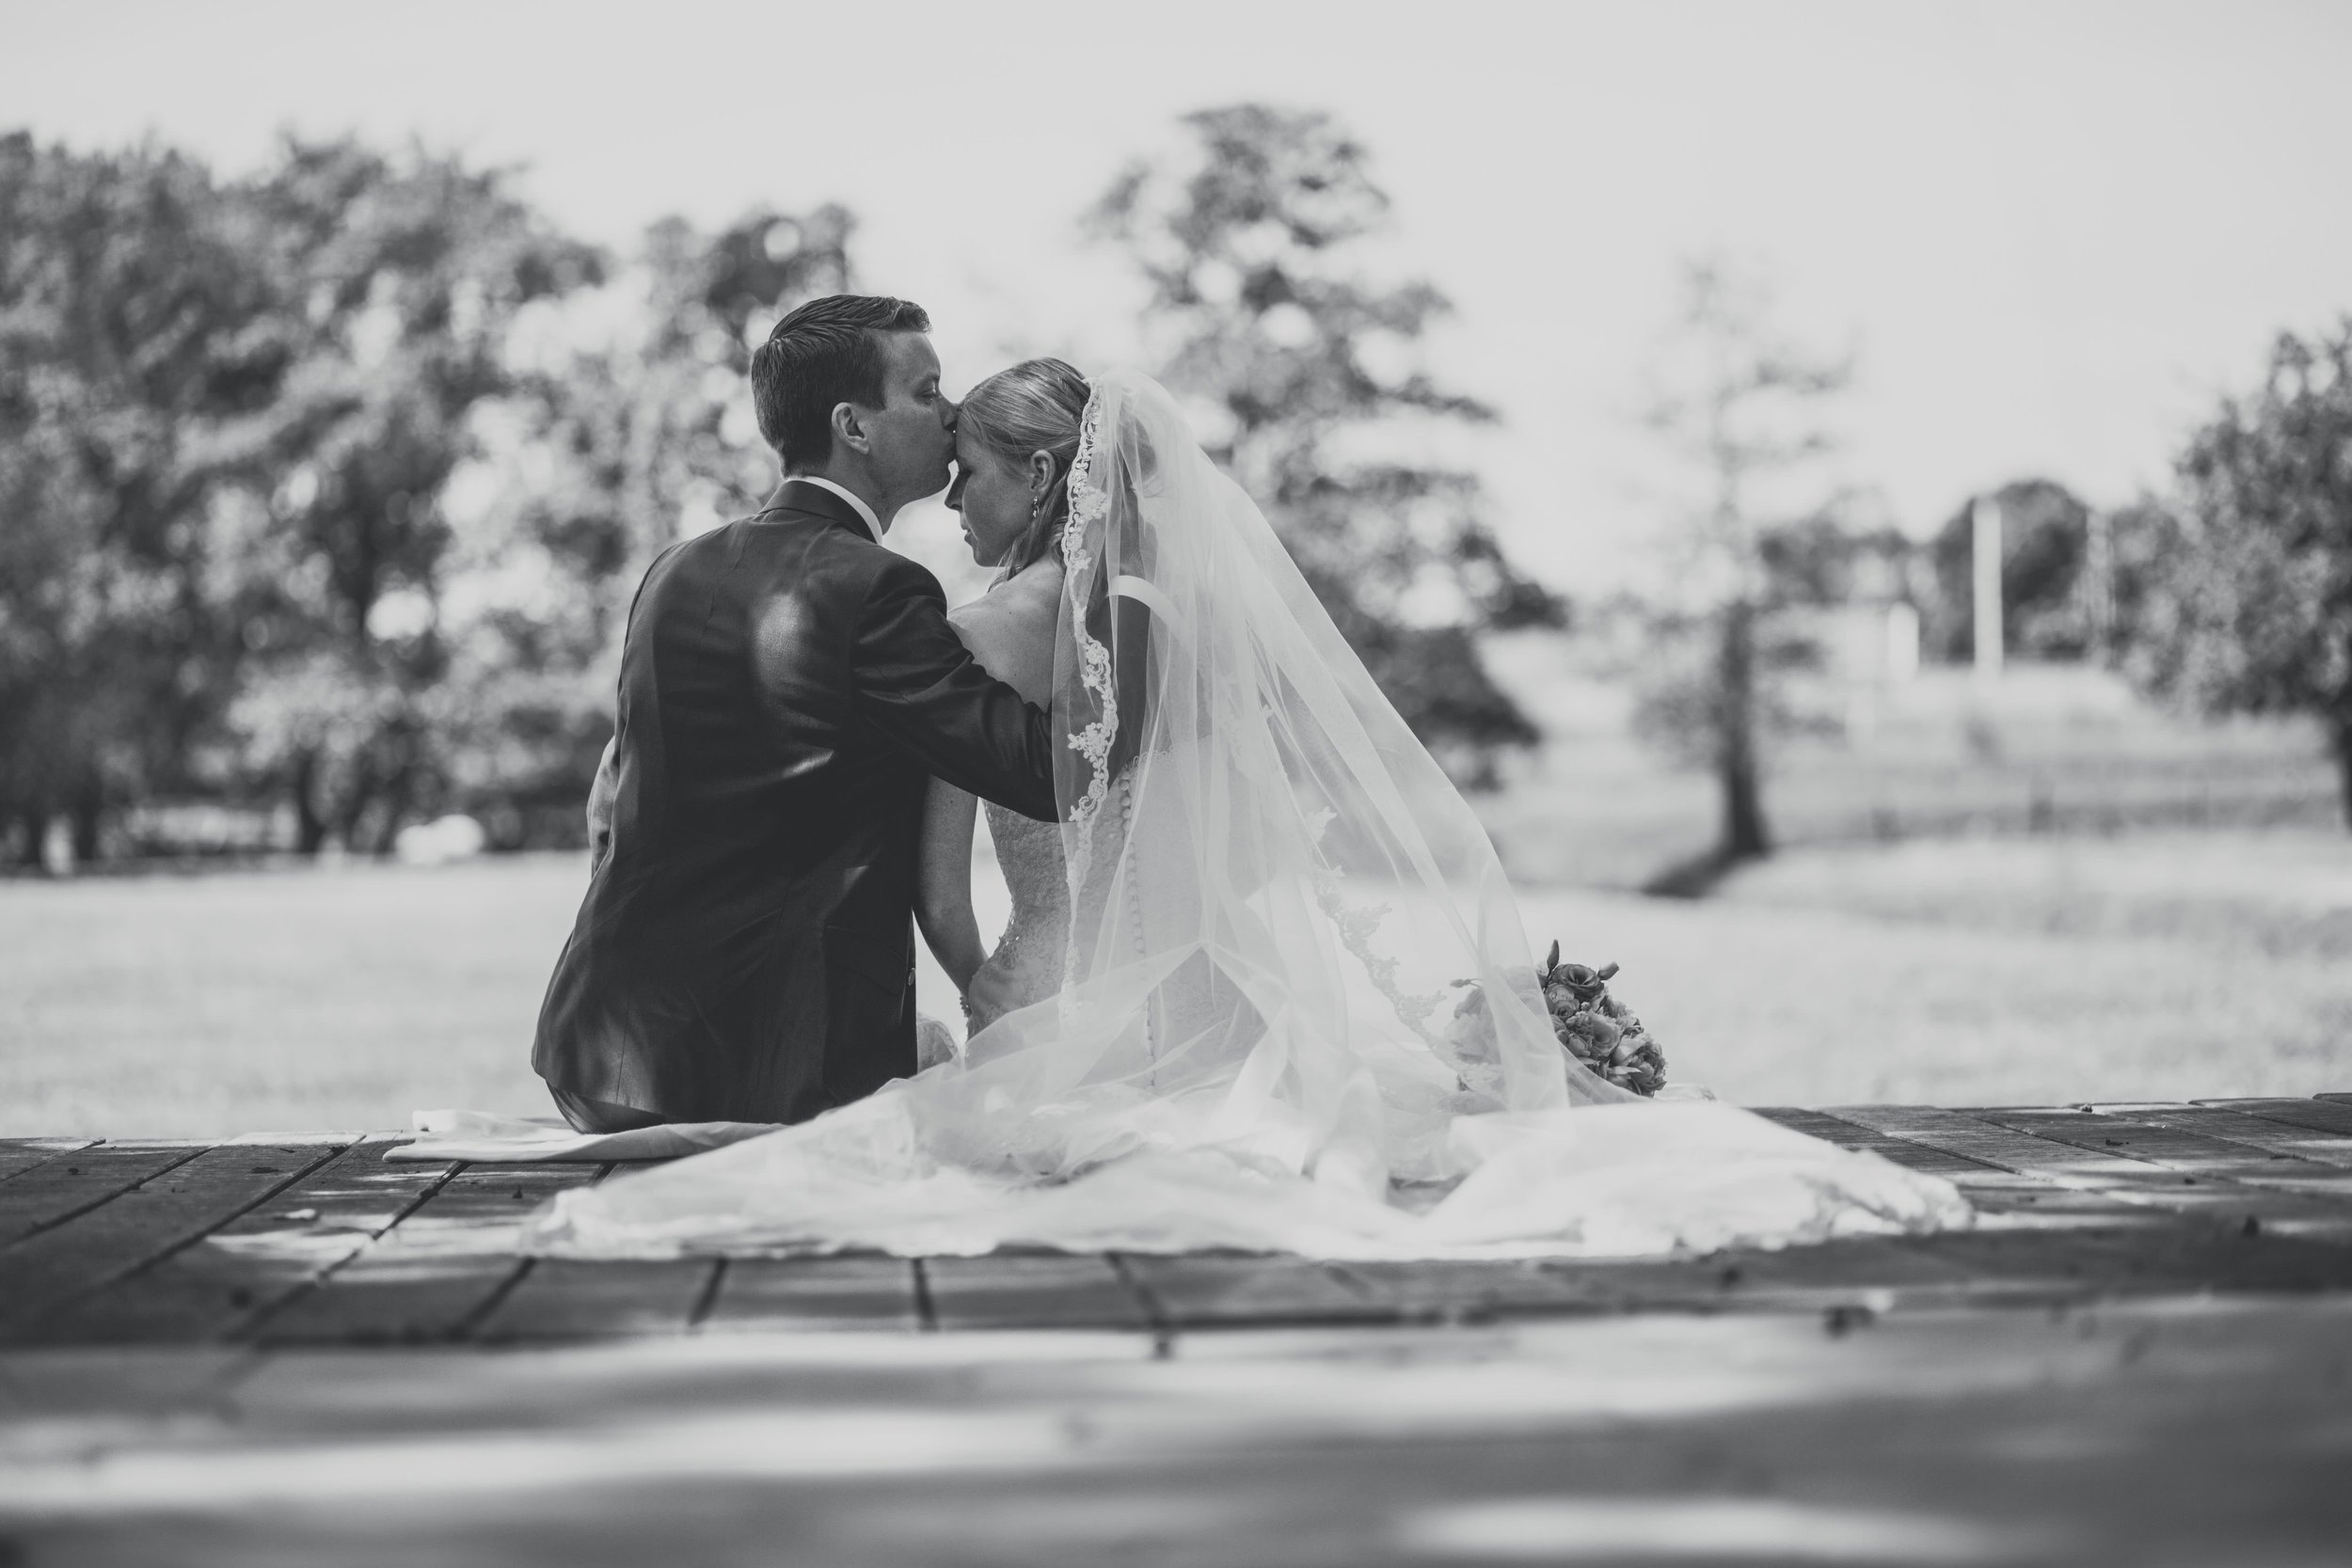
1016, 435
1264, 985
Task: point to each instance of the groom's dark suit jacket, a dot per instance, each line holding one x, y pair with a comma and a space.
745, 952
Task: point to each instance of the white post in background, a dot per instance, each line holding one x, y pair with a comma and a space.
1986, 516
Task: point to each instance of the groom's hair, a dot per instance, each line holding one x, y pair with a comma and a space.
827, 352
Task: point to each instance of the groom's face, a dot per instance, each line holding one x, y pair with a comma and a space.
914, 433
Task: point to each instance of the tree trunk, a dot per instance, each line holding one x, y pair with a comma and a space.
309, 822
354, 811
396, 794
34, 854
88, 815
1743, 834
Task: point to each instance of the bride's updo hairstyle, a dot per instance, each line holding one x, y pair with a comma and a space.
1035, 407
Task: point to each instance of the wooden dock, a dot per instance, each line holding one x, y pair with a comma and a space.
288, 1350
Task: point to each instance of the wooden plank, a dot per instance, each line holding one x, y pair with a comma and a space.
1863, 1273
1848, 1133
1876, 1271
851, 1291
2191, 1153
2319, 1115
1038, 1289
114, 1389
19, 1155
56, 1190
2148, 1261
1992, 1189
248, 1268
1219, 1289
568, 1298
2128, 1247
2103, 1171
1616, 1285
426, 1280
2276, 1137
2031, 1266
53, 1266
1465, 1293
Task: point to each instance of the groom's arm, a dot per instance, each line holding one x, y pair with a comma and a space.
600, 795
922, 688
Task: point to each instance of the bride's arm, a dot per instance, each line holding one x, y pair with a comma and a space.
1011, 633
942, 884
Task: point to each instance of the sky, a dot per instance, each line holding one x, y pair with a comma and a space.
2052, 233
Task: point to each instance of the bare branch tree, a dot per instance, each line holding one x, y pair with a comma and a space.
1739, 406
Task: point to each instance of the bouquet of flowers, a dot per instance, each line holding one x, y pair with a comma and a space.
1598, 1029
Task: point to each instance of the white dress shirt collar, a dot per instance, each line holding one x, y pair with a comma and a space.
865, 513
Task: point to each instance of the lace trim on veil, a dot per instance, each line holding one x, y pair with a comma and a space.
1089, 505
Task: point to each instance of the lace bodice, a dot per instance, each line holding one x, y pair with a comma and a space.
1030, 951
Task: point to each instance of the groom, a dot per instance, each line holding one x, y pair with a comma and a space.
788, 686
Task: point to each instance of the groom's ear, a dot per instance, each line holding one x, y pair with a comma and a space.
847, 429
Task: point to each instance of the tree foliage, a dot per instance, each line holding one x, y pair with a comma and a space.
617, 447
133, 336
398, 280
320, 490
2242, 597
1308, 386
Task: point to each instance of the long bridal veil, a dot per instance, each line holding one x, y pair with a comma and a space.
1299, 1011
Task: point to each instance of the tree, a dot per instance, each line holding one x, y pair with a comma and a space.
1310, 391
1741, 410
402, 277
2145, 543
136, 331
2250, 608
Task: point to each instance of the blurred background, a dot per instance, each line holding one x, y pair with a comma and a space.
1860, 495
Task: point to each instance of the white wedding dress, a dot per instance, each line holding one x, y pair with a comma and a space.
1253, 1024
1027, 964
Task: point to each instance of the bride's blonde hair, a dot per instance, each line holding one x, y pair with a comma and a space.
1035, 407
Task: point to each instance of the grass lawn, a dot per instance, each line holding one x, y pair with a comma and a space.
2056, 748
1965, 973
238, 1002
2164, 966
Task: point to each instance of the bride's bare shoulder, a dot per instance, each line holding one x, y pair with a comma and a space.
1010, 630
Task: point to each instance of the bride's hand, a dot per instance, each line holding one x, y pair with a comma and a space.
988, 997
